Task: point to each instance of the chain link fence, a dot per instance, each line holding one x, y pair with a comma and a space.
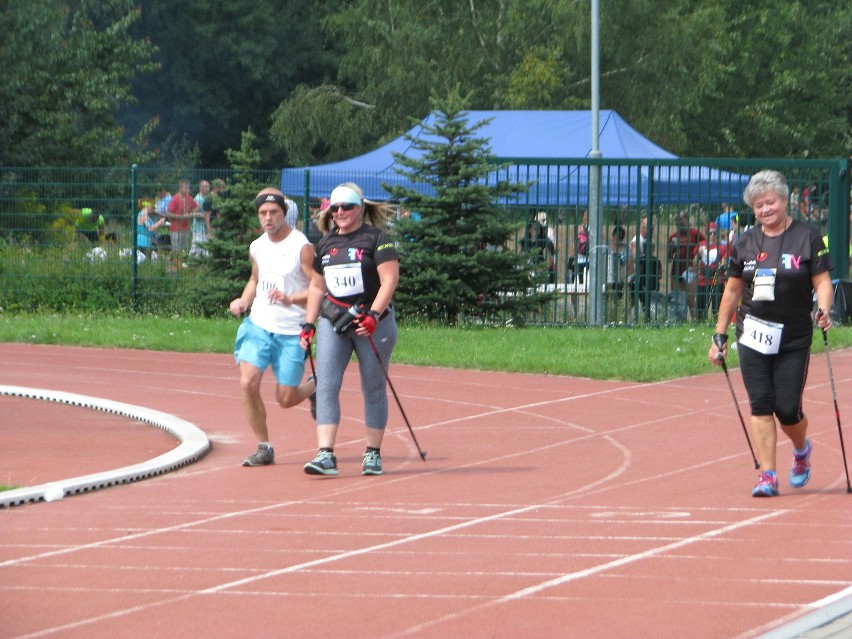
50, 260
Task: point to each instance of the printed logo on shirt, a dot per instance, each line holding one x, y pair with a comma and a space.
750, 265
762, 256
384, 246
791, 262
355, 255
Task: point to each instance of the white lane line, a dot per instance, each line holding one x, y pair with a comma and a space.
302, 566
581, 574
573, 576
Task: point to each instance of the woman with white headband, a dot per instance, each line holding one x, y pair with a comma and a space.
356, 271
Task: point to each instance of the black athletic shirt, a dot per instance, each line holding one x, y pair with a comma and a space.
797, 254
367, 245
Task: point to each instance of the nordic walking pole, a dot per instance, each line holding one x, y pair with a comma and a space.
396, 397
836, 409
720, 342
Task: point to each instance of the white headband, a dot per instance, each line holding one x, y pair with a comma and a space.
345, 195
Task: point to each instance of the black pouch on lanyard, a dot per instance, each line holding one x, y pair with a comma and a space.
339, 314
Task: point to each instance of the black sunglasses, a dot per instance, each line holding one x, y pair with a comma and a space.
346, 207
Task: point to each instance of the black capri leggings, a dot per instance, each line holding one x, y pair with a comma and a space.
775, 383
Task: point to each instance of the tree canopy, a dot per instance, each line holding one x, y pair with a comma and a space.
109, 81
66, 72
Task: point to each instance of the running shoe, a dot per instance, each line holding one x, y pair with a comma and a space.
767, 486
263, 456
313, 397
325, 463
800, 472
372, 463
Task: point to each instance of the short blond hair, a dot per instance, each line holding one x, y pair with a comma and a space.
764, 182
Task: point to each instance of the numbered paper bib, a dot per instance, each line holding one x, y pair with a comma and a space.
760, 335
343, 280
266, 285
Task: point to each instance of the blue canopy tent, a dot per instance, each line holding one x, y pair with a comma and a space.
535, 146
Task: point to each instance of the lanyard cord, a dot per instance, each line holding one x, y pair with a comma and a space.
780, 248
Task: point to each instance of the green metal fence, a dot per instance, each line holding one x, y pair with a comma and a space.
45, 263
659, 191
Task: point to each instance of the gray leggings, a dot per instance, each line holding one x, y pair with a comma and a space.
333, 355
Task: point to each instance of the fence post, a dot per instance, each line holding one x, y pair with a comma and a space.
133, 241
838, 226
307, 215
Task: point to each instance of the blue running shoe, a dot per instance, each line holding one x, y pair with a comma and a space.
372, 463
800, 472
325, 463
767, 486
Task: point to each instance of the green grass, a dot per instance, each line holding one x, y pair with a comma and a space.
631, 354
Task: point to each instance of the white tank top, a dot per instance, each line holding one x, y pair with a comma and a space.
279, 266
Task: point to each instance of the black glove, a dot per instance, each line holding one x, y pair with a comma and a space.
719, 339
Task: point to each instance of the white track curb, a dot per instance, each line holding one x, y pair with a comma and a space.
193, 446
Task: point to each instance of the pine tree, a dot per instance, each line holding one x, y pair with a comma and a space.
456, 258
234, 228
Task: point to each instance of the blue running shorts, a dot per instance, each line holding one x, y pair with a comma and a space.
261, 348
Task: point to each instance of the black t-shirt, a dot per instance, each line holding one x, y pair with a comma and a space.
797, 254
348, 263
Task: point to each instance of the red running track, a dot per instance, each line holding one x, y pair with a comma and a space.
547, 507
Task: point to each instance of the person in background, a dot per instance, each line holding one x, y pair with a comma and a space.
356, 271
616, 261
536, 242
201, 230
161, 209
643, 266
794, 200
683, 245
161, 202
705, 290
217, 193
726, 221
90, 226
181, 209
292, 212
146, 228
550, 233
276, 293
774, 271
201, 225
578, 263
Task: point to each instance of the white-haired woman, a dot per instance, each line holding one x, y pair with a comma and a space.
775, 268
356, 271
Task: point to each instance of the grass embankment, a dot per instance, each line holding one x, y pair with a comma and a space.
624, 353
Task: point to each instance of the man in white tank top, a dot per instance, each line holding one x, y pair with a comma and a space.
276, 293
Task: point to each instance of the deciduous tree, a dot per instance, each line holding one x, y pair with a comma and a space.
67, 69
